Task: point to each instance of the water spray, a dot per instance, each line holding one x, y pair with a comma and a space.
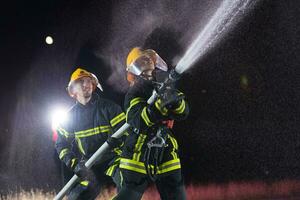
221, 22
216, 27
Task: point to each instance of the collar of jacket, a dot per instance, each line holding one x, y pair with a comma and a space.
92, 101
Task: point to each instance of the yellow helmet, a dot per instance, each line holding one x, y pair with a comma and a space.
135, 68
134, 54
79, 73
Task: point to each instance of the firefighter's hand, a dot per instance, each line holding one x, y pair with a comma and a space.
87, 177
175, 104
83, 172
114, 142
171, 98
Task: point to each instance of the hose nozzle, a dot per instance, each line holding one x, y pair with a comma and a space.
174, 75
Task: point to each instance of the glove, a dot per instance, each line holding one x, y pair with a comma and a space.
171, 99
83, 172
87, 177
175, 103
114, 142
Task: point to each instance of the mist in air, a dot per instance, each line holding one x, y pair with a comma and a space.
196, 26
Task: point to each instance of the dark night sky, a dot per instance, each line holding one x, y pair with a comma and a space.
244, 94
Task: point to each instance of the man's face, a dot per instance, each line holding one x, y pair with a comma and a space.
83, 87
147, 66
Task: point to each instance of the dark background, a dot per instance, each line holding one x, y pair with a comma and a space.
243, 94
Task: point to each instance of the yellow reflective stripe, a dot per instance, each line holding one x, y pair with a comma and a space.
117, 160
80, 145
93, 131
163, 110
169, 166
146, 118
181, 108
73, 162
140, 167
111, 169
174, 155
138, 146
117, 119
84, 183
133, 102
117, 151
132, 165
136, 100
174, 142
63, 132
63, 153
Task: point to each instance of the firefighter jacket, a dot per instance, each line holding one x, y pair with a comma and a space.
87, 128
144, 126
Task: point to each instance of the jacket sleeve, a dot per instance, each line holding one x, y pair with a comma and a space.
139, 114
116, 118
115, 115
142, 116
181, 111
63, 147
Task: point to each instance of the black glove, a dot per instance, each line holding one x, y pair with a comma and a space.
114, 142
171, 98
83, 172
86, 175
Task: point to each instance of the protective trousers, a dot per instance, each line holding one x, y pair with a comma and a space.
170, 185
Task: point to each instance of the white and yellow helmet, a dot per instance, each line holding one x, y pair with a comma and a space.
79, 73
135, 66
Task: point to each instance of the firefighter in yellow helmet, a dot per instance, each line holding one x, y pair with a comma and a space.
77, 75
91, 122
150, 152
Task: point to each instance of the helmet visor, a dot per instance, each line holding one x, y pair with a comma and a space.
142, 64
146, 63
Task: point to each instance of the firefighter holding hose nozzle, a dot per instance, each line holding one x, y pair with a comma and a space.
150, 152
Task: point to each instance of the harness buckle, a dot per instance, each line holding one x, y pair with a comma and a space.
157, 141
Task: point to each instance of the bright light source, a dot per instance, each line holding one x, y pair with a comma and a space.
58, 116
49, 40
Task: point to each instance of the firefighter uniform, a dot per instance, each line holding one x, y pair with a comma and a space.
87, 128
137, 161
